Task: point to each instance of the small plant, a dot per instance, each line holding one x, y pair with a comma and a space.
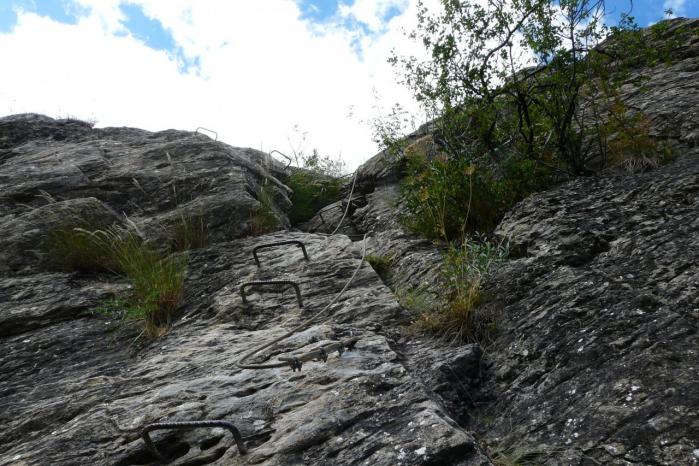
629, 143
416, 301
157, 280
74, 249
381, 264
315, 181
446, 198
464, 271
312, 192
117, 309
189, 232
263, 220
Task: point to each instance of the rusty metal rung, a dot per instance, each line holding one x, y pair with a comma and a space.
283, 155
271, 282
209, 130
320, 354
278, 243
191, 425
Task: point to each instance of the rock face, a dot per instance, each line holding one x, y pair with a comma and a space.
76, 392
153, 179
595, 363
79, 386
600, 359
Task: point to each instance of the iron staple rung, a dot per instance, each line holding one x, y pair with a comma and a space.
191, 425
319, 353
207, 129
283, 155
271, 282
278, 243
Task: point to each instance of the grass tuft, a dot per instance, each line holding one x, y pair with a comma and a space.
465, 269
263, 220
189, 232
74, 249
157, 279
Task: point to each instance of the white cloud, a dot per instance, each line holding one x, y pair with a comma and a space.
371, 12
262, 71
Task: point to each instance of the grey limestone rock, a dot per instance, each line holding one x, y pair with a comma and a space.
75, 392
151, 178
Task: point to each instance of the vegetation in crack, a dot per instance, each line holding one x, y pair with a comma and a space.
465, 269
263, 220
381, 264
522, 94
157, 278
315, 182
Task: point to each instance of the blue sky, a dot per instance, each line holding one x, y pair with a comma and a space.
152, 32
268, 74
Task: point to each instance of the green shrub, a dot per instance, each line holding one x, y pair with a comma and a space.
311, 192
381, 264
464, 271
447, 198
629, 144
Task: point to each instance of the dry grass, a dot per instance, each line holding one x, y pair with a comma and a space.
465, 269
263, 220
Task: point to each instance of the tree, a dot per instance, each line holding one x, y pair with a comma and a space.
505, 77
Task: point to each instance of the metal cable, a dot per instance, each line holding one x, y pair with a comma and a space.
349, 201
241, 362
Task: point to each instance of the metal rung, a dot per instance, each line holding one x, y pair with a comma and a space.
278, 243
209, 130
320, 354
283, 155
191, 425
271, 282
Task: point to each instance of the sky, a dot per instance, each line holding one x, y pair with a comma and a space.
290, 75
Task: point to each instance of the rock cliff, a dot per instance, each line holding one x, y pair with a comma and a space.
78, 387
595, 362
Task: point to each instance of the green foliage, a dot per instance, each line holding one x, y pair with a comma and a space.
320, 164
73, 249
446, 198
189, 232
629, 143
311, 192
157, 280
381, 264
524, 93
118, 309
464, 271
263, 219
315, 184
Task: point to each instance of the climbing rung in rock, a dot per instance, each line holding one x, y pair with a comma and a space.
320, 354
191, 425
278, 243
273, 283
283, 155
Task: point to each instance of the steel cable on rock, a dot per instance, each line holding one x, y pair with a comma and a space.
305, 324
